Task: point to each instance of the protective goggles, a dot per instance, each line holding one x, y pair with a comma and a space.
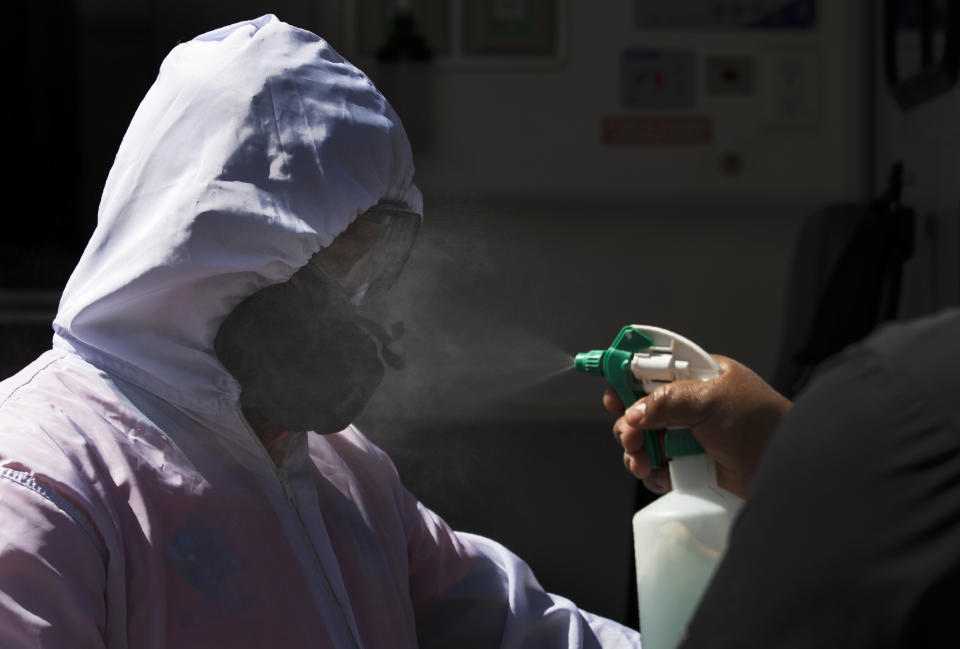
366, 258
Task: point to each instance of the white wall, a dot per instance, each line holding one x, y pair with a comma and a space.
515, 128
643, 234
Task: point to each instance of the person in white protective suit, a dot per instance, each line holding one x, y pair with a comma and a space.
157, 488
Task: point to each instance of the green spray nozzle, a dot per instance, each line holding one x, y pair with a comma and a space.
590, 362
614, 365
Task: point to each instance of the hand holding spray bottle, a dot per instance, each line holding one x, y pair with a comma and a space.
680, 537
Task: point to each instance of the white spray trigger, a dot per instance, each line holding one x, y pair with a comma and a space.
671, 358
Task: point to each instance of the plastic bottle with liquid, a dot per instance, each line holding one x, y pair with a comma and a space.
680, 537
678, 541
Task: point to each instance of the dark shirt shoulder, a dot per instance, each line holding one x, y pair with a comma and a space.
850, 536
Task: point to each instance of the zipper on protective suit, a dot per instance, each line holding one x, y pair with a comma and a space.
281, 474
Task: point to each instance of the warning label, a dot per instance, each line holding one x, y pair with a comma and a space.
637, 130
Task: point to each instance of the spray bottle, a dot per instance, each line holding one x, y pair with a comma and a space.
680, 537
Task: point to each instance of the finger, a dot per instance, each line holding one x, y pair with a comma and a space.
683, 403
637, 463
611, 401
630, 438
623, 429
724, 362
658, 481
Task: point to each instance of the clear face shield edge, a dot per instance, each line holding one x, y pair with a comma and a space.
366, 259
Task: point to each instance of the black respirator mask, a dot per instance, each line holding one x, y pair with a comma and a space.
305, 355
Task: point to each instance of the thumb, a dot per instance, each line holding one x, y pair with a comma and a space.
683, 403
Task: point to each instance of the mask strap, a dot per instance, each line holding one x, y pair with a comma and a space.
390, 357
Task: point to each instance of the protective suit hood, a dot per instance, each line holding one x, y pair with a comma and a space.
256, 146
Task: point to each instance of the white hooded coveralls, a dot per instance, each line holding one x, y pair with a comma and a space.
137, 508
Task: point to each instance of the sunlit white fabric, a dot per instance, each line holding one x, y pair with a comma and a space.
137, 508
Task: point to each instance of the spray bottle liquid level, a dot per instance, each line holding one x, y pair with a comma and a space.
680, 537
